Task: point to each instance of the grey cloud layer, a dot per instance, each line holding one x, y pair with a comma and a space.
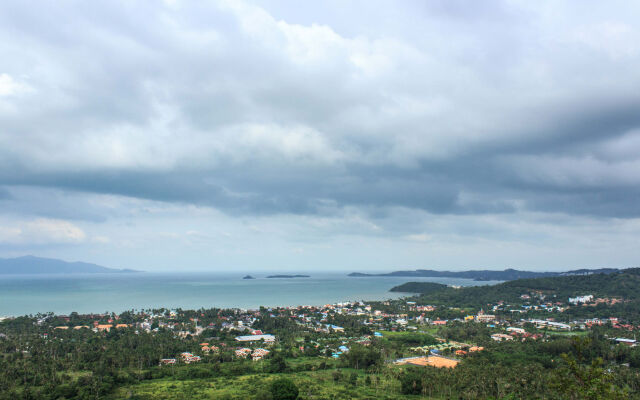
495, 109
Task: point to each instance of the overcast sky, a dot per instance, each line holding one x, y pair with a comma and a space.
345, 135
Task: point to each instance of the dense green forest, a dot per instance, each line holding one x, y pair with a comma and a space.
418, 287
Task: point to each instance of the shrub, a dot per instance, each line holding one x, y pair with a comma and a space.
284, 389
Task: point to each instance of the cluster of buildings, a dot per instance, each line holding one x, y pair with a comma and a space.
240, 325
256, 354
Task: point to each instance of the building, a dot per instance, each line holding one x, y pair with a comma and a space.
482, 317
539, 323
188, 358
581, 299
335, 328
105, 327
258, 354
499, 337
242, 353
628, 342
256, 338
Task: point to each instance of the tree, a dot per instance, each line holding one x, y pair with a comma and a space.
411, 382
353, 379
579, 380
277, 363
284, 389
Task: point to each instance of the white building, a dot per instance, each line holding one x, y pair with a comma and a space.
255, 338
581, 299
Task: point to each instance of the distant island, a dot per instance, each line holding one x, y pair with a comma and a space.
248, 277
37, 265
486, 275
288, 276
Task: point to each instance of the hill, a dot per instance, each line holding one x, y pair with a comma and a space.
485, 275
418, 287
38, 265
623, 284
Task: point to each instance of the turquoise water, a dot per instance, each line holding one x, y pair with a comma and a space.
87, 293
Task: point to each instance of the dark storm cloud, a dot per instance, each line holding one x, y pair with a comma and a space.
224, 106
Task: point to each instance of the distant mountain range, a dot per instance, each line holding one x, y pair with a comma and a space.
487, 275
37, 265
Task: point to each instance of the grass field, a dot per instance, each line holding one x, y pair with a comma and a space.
312, 385
428, 330
564, 333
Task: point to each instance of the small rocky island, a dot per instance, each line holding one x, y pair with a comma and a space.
248, 277
288, 276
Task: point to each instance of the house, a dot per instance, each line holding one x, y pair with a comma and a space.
243, 352
439, 322
482, 317
258, 354
519, 331
499, 337
581, 299
105, 327
335, 328
191, 359
167, 361
188, 358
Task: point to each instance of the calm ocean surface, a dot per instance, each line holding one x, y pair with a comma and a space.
86, 293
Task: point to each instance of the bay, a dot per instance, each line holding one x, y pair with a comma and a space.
117, 292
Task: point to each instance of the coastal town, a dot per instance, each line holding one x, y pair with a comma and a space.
425, 344
236, 332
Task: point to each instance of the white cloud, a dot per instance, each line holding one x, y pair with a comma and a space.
419, 237
9, 86
310, 126
41, 231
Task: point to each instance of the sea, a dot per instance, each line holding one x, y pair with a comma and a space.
117, 292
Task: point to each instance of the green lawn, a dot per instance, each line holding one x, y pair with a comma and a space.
424, 329
567, 333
